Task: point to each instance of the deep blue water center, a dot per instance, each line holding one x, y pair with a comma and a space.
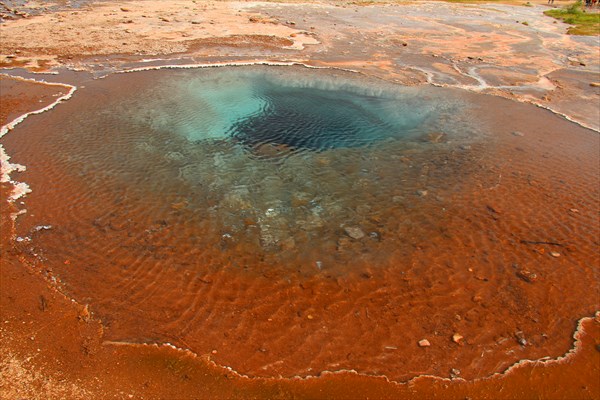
316, 119
296, 112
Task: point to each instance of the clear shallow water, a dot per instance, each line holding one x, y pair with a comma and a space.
291, 260
284, 161
293, 113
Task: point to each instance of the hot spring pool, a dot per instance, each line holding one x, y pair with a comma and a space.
299, 220
271, 160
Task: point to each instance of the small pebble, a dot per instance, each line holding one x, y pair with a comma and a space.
457, 338
374, 235
527, 276
554, 254
424, 343
520, 338
517, 133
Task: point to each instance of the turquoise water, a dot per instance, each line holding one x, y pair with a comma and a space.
288, 158
284, 161
294, 113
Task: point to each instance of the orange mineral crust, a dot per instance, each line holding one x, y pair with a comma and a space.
20, 96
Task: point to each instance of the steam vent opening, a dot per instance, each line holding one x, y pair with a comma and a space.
300, 220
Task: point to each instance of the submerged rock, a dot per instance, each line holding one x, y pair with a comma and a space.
527, 276
520, 337
300, 199
314, 221
437, 137
354, 232
174, 156
274, 228
237, 199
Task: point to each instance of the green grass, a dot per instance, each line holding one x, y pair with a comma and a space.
583, 23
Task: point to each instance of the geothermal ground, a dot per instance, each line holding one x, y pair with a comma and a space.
69, 333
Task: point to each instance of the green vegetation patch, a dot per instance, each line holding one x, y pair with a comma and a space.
584, 23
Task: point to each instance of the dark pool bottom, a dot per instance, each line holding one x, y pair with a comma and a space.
291, 258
